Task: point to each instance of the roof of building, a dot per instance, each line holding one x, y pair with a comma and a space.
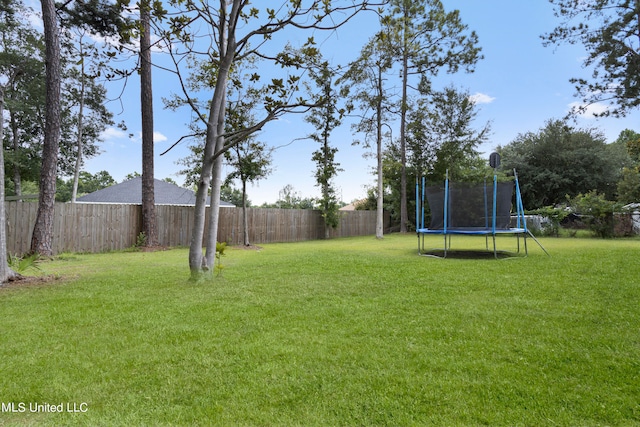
353, 205
130, 192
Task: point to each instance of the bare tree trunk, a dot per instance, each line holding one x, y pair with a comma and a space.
216, 184
199, 264
214, 214
404, 216
197, 237
5, 272
149, 223
42, 238
380, 196
76, 172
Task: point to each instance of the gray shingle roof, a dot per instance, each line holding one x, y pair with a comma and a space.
130, 192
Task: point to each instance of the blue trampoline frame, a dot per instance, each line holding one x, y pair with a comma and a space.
489, 230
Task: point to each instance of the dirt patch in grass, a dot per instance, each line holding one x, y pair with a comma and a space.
30, 281
249, 247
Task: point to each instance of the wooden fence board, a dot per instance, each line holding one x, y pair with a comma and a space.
82, 227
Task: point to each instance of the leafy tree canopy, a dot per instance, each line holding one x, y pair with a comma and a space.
560, 160
442, 136
610, 32
289, 198
87, 183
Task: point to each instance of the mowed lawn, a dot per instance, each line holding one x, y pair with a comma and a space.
329, 333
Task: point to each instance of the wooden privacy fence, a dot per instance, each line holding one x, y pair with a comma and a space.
84, 227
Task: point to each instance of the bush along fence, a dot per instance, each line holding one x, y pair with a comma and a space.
84, 227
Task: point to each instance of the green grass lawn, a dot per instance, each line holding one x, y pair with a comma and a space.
330, 333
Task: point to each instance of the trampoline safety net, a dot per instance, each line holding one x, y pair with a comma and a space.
470, 206
484, 208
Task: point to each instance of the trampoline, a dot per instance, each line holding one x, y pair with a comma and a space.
481, 209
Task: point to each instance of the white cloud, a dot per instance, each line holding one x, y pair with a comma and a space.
481, 98
157, 137
112, 133
588, 111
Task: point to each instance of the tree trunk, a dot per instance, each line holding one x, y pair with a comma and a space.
214, 214
76, 172
380, 196
245, 222
195, 248
212, 166
149, 222
404, 216
42, 238
216, 183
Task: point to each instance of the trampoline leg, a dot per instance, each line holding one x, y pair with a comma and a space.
445, 246
495, 252
539, 244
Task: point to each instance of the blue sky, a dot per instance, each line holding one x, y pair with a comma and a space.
519, 85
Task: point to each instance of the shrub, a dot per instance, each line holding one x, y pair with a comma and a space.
597, 212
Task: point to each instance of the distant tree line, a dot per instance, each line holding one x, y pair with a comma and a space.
561, 161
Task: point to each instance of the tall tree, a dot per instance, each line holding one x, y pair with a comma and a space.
42, 237
232, 26
426, 39
442, 137
85, 114
250, 160
149, 221
366, 88
80, 122
325, 118
609, 30
102, 17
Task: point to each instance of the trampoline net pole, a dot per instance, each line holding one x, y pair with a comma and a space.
495, 205
417, 206
424, 185
417, 212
